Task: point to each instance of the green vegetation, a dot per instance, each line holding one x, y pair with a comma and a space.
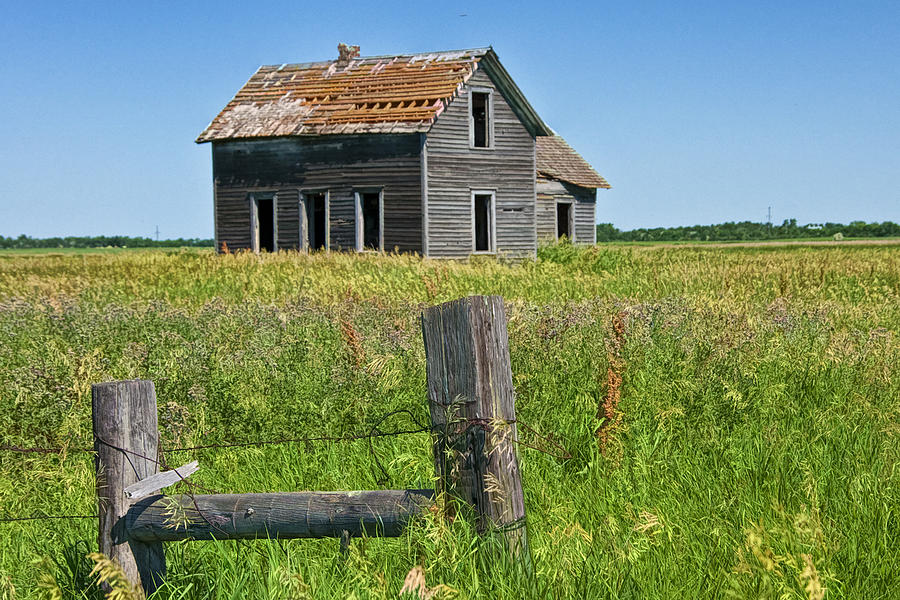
99, 250
99, 241
752, 449
747, 231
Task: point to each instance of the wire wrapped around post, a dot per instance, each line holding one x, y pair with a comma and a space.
126, 441
472, 406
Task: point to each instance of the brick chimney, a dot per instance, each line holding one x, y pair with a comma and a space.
347, 53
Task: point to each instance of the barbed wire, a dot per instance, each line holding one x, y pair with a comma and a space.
382, 477
564, 454
322, 438
21, 450
373, 433
161, 462
46, 517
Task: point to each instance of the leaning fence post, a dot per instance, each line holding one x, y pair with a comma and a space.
126, 441
470, 396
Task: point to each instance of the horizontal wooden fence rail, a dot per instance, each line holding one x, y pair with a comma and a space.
473, 424
286, 515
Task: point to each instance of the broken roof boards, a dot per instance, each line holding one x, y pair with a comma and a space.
380, 94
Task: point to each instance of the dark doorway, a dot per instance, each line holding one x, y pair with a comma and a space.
316, 221
371, 215
564, 220
483, 226
265, 213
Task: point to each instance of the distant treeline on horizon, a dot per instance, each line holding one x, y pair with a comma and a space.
606, 232
746, 230
100, 241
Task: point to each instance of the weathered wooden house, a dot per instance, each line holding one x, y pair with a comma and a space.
438, 153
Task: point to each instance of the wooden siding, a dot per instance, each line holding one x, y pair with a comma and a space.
546, 208
288, 214
232, 218
584, 199
339, 164
586, 217
454, 169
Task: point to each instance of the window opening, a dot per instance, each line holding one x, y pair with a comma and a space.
480, 118
370, 210
483, 225
316, 221
265, 214
564, 220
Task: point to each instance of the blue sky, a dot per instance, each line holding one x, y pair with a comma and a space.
696, 112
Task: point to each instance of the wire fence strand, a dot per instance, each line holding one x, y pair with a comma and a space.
372, 433
21, 450
381, 475
47, 517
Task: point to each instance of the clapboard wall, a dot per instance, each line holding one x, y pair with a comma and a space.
341, 165
454, 170
232, 214
584, 202
586, 216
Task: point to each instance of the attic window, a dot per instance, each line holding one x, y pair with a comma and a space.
480, 118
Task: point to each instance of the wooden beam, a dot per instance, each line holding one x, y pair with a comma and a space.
472, 405
154, 483
126, 442
284, 515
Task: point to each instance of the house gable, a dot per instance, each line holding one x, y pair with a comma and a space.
455, 171
513, 95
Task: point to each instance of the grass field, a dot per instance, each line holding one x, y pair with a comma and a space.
10, 252
752, 449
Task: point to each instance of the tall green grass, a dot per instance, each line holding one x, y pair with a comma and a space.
755, 454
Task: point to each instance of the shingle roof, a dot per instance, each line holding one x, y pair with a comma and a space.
557, 160
379, 94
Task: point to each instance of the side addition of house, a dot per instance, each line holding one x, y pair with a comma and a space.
438, 153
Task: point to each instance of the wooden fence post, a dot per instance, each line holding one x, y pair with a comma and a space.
126, 440
470, 396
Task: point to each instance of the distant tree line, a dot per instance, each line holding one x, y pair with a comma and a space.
99, 241
746, 230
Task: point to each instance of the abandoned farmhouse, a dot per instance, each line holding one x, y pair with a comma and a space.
438, 153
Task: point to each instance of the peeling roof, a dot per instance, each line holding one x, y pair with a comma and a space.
557, 160
378, 94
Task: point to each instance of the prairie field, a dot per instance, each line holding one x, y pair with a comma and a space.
732, 415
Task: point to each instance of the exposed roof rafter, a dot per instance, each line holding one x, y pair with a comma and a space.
361, 96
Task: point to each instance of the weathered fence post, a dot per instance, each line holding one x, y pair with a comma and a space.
470, 396
126, 440
472, 407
